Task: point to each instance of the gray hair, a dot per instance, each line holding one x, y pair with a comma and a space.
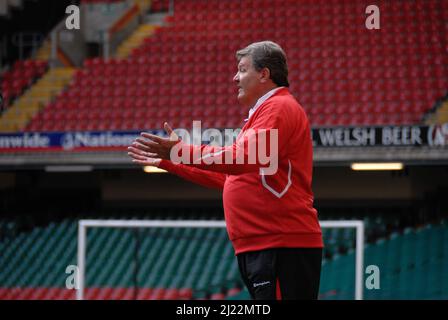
267, 54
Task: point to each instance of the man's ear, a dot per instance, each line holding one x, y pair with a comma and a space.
265, 75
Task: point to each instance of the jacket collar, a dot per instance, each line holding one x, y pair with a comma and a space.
261, 100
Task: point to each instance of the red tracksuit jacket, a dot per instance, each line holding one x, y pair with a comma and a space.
262, 211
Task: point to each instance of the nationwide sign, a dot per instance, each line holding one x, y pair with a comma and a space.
435, 136
67, 141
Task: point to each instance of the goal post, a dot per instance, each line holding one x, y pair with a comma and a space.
83, 225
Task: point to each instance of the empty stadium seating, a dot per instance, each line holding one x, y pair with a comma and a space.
164, 263
342, 73
172, 263
159, 5
411, 266
22, 74
17, 116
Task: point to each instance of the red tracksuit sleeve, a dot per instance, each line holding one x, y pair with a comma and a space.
240, 158
204, 178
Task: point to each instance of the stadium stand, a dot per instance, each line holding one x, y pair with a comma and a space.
339, 74
439, 113
411, 264
135, 40
199, 263
22, 75
28, 105
190, 263
159, 5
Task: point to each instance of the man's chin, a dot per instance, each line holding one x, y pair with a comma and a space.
241, 98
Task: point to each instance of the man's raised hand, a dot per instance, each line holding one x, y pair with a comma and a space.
149, 149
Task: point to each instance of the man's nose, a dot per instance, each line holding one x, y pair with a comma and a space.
236, 78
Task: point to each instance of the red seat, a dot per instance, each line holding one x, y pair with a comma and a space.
157, 294
171, 294
335, 70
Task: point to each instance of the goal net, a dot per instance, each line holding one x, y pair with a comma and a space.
191, 259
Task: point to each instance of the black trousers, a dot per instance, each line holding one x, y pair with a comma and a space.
282, 273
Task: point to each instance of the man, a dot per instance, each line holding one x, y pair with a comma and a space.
270, 218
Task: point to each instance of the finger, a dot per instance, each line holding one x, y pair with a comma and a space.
168, 129
136, 156
148, 143
136, 151
173, 136
151, 155
143, 155
146, 162
139, 146
142, 152
152, 137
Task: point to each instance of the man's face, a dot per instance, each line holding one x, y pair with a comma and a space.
248, 82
